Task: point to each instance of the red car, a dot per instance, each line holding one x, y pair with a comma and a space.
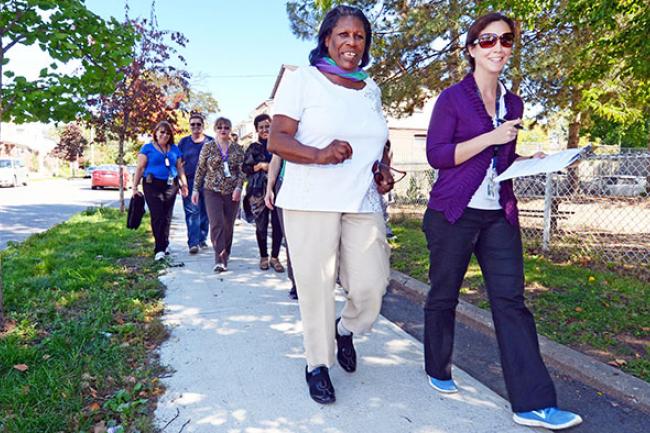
108, 176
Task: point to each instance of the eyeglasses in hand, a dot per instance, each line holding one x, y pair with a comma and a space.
379, 176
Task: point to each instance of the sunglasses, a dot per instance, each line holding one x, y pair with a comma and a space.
379, 176
222, 127
488, 40
196, 124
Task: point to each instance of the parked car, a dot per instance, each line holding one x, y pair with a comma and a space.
107, 176
615, 185
13, 172
625, 186
88, 171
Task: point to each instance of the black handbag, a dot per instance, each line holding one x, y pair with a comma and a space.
136, 212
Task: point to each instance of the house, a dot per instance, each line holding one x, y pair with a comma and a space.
29, 142
245, 129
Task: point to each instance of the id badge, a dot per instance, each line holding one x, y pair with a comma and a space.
166, 162
492, 183
170, 181
226, 169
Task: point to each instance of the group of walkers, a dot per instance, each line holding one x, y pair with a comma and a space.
210, 173
323, 159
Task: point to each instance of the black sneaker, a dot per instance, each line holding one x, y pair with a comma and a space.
346, 354
293, 293
203, 244
321, 389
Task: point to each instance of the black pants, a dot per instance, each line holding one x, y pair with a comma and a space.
497, 246
160, 199
278, 184
261, 232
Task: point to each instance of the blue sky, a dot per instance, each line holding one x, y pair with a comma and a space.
229, 41
238, 46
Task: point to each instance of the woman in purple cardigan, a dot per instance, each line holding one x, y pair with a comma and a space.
471, 138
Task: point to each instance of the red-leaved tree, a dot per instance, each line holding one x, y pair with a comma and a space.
150, 89
71, 145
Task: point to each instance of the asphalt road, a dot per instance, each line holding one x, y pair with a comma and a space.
37, 207
478, 355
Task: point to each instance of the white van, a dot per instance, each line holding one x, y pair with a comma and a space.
13, 172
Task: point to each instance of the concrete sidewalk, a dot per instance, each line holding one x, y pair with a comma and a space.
237, 356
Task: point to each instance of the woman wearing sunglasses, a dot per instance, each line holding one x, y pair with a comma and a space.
161, 166
329, 126
219, 173
471, 138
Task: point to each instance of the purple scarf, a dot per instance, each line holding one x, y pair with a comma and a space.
327, 64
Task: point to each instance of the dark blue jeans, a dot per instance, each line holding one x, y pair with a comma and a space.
196, 219
497, 246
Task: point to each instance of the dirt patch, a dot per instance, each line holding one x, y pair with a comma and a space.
8, 327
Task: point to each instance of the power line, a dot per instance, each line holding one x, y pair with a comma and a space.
242, 76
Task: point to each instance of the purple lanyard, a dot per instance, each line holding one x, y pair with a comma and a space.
224, 156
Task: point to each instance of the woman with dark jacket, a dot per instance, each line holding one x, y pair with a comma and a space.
471, 139
256, 167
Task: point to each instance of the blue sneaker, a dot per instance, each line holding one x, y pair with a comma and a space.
551, 418
446, 386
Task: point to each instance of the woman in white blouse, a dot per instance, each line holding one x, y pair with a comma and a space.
329, 126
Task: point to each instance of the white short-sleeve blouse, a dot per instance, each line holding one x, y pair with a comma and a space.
325, 112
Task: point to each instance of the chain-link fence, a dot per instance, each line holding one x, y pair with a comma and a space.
597, 212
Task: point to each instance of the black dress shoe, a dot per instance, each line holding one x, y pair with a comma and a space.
346, 354
321, 389
293, 293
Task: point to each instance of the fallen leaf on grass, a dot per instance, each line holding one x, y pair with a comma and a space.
617, 363
578, 309
21, 367
100, 427
94, 406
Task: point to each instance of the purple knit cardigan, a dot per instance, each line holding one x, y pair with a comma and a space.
459, 115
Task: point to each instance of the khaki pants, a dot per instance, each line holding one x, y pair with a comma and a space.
324, 245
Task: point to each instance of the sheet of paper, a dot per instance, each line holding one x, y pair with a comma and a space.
549, 164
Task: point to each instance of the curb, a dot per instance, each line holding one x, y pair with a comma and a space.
586, 369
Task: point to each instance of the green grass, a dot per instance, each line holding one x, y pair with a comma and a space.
603, 314
82, 301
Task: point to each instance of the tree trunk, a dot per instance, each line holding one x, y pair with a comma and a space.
2, 307
574, 126
647, 180
574, 140
120, 162
516, 61
120, 158
1, 101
